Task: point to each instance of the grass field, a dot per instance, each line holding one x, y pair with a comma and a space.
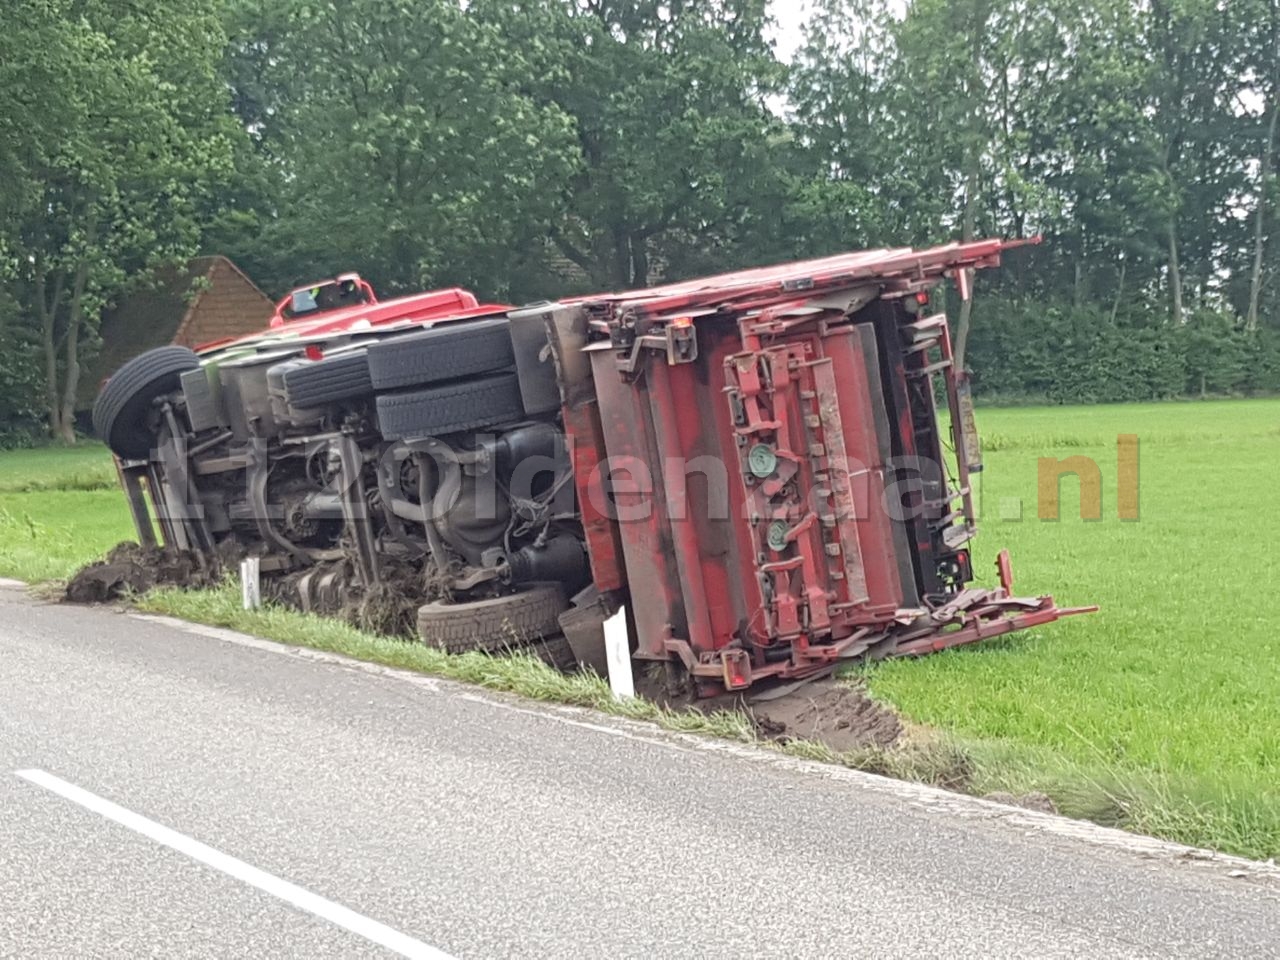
1172, 690
59, 508
1160, 713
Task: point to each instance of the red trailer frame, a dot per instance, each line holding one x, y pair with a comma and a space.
812, 384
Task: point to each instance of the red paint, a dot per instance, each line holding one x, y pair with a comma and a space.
819, 572
419, 309
802, 382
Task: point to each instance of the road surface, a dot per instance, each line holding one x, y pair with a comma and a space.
166, 793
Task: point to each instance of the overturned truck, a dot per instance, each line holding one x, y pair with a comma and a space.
752, 464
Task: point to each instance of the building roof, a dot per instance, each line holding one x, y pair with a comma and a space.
174, 308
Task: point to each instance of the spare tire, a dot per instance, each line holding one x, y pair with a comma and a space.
450, 408
450, 351
314, 384
121, 412
495, 624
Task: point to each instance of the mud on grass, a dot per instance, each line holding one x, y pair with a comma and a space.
130, 569
839, 715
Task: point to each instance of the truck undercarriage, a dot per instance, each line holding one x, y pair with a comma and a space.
753, 464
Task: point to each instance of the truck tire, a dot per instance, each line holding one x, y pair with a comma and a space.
495, 624
120, 414
449, 351
450, 408
328, 381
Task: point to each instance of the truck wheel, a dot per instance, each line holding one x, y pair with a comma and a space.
120, 414
328, 380
449, 351
450, 408
495, 624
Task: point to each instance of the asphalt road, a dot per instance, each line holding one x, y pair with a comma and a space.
178, 789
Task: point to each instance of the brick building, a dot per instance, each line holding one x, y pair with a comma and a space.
206, 300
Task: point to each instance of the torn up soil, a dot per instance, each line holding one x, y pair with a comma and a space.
839, 715
130, 568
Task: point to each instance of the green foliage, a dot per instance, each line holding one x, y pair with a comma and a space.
1037, 351
675, 148
397, 141
20, 413
541, 147
113, 128
1137, 139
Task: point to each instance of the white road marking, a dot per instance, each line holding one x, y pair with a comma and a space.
335, 913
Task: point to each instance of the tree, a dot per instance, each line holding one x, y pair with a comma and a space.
397, 142
961, 40
842, 118
1262, 64
675, 138
133, 129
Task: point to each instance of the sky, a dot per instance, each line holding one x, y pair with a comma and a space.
790, 16
787, 35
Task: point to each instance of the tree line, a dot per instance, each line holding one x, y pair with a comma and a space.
532, 148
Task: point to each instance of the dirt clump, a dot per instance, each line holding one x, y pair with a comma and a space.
388, 609
130, 568
839, 715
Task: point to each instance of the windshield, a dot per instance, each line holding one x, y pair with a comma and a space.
304, 302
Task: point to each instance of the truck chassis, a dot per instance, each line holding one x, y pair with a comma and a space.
752, 464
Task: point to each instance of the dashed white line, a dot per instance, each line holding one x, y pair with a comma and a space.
305, 900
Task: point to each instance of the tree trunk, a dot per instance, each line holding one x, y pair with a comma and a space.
975, 96
1115, 304
47, 307
639, 261
1260, 216
1175, 272
51, 402
621, 259
71, 366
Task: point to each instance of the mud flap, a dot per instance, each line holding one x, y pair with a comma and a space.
583, 628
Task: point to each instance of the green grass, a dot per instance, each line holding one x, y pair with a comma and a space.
934, 762
1161, 713
1168, 700
60, 507
521, 674
87, 466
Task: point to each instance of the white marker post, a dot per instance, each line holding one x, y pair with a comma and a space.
250, 583
617, 648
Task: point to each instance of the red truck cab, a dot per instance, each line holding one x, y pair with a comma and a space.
344, 290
